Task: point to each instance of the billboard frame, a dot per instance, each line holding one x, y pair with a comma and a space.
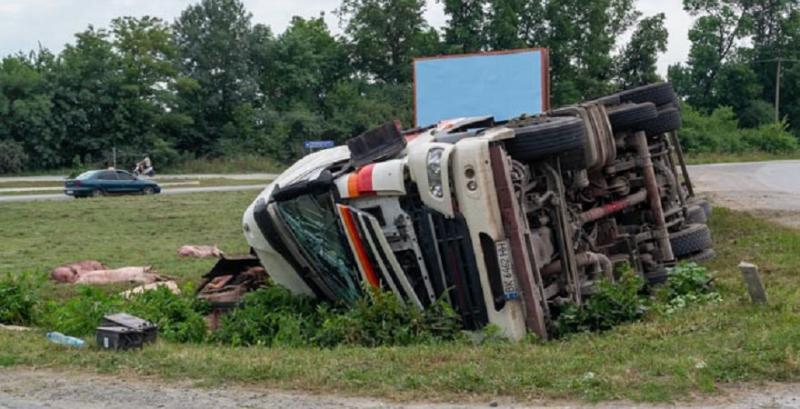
545, 70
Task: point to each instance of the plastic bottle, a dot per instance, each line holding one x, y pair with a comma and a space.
59, 338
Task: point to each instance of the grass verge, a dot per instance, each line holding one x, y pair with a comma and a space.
664, 357
705, 158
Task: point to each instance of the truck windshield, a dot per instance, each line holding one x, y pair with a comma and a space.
313, 222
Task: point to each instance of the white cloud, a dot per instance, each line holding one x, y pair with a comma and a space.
24, 24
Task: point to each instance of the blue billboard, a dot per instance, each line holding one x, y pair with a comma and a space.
503, 84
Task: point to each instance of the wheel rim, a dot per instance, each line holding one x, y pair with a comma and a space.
148, 191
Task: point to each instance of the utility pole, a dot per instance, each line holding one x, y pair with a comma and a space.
778, 91
778, 66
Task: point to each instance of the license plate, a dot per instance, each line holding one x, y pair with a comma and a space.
510, 289
69, 192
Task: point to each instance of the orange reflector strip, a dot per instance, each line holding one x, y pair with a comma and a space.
358, 246
352, 185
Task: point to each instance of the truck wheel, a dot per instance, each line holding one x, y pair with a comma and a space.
608, 100
693, 238
704, 255
695, 214
668, 120
564, 137
705, 205
630, 116
658, 94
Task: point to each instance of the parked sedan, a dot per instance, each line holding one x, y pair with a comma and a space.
108, 182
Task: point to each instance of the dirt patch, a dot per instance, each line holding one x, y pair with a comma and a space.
23, 388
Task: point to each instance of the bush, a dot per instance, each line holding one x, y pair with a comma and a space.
380, 318
80, 315
18, 300
273, 316
611, 305
717, 132
688, 283
772, 138
12, 157
270, 316
179, 317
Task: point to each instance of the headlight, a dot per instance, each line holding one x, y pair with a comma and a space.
434, 165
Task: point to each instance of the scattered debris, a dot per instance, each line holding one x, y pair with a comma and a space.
200, 251
61, 339
171, 285
14, 328
228, 281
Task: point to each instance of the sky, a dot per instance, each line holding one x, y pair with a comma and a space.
26, 24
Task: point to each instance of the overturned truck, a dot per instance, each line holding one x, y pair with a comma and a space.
506, 221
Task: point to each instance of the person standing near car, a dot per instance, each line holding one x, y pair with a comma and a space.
145, 167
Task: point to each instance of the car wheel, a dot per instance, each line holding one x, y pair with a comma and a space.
631, 116
148, 191
564, 137
97, 193
658, 94
693, 238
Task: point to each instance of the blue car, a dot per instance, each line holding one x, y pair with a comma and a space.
108, 182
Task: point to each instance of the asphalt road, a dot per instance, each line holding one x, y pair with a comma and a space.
767, 189
241, 176
165, 191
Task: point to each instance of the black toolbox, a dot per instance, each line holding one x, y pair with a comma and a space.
148, 329
119, 338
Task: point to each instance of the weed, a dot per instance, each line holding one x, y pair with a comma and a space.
179, 318
79, 315
610, 305
18, 299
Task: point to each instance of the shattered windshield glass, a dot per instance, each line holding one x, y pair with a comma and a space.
312, 220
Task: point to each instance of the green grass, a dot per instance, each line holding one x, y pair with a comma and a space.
238, 164
661, 358
122, 231
755, 156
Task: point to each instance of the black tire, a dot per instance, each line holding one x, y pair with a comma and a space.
705, 205
563, 136
97, 193
691, 239
704, 255
695, 214
631, 116
660, 93
608, 100
668, 120
148, 191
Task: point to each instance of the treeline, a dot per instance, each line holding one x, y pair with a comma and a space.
214, 84
730, 76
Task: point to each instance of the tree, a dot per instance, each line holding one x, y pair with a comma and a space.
384, 35
636, 63
464, 32
503, 27
714, 37
580, 36
213, 40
